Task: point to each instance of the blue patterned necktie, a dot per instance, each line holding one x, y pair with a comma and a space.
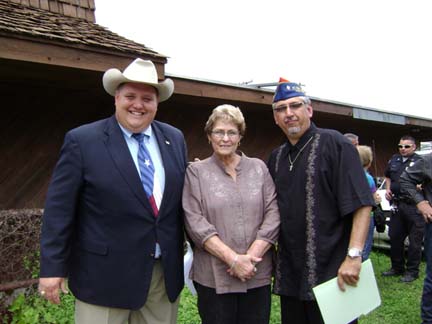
147, 169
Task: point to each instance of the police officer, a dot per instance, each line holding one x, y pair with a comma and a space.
420, 173
406, 220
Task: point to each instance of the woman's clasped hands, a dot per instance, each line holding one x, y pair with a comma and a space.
244, 266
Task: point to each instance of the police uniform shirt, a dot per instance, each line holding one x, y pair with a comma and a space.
395, 167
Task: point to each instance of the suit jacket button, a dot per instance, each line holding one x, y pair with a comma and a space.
152, 255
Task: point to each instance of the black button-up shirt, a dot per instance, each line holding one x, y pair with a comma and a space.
316, 199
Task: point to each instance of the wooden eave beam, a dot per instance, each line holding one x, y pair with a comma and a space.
219, 91
331, 108
70, 56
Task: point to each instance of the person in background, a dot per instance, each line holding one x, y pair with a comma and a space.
405, 221
366, 156
324, 202
232, 217
353, 138
113, 220
420, 173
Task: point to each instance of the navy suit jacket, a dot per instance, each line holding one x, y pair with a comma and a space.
99, 229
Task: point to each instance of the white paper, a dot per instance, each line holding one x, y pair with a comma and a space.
338, 307
187, 260
385, 204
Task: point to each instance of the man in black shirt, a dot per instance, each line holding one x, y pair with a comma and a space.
420, 173
405, 220
324, 202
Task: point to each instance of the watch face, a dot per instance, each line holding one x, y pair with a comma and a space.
353, 252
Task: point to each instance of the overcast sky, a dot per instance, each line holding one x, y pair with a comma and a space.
372, 53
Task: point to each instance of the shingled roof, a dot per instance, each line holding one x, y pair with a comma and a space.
21, 21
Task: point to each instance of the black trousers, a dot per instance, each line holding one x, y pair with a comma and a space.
406, 222
295, 311
252, 307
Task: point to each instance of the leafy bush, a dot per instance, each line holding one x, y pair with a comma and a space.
19, 240
30, 308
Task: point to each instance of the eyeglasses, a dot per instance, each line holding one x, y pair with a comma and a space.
292, 106
221, 134
406, 146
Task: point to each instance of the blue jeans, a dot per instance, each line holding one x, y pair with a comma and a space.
369, 240
426, 304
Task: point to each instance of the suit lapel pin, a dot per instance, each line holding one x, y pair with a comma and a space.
167, 142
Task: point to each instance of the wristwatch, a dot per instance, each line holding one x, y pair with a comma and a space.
354, 252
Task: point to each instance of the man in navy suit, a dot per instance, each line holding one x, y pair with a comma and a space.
120, 248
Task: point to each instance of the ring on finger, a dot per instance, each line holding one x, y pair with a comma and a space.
255, 269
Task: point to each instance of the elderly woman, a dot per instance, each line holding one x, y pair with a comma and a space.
232, 217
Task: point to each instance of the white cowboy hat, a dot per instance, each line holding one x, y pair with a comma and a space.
140, 71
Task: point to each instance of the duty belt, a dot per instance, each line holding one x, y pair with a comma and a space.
403, 199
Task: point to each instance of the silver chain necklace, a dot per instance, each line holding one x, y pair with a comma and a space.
291, 162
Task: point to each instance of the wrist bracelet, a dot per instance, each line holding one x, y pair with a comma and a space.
234, 262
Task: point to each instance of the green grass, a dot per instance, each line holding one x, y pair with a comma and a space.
400, 302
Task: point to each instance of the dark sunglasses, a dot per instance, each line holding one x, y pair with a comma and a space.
405, 146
